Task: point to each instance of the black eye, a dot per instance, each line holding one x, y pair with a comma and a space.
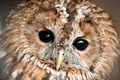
46, 36
80, 44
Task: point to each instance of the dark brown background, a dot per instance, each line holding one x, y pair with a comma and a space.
111, 6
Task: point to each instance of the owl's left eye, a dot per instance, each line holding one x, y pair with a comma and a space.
80, 44
46, 36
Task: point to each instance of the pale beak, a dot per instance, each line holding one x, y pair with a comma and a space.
59, 59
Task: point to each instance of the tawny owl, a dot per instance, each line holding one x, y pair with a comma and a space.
58, 40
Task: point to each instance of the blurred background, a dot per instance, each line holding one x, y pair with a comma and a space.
5, 7
111, 6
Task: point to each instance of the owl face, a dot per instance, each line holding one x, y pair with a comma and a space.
59, 40
67, 45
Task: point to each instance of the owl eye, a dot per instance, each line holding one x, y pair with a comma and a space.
80, 44
46, 36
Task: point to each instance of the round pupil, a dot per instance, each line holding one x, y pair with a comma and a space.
80, 44
46, 36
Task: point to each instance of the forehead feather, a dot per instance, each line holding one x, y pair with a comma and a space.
66, 10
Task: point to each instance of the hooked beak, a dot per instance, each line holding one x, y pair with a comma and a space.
59, 59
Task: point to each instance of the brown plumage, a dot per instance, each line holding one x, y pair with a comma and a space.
58, 40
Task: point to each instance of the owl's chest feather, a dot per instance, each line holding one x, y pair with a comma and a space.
25, 71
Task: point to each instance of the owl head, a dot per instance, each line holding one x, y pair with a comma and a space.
72, 38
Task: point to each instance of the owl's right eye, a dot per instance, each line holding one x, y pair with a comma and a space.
46, 36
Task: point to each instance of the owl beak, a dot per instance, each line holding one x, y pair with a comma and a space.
59, 59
